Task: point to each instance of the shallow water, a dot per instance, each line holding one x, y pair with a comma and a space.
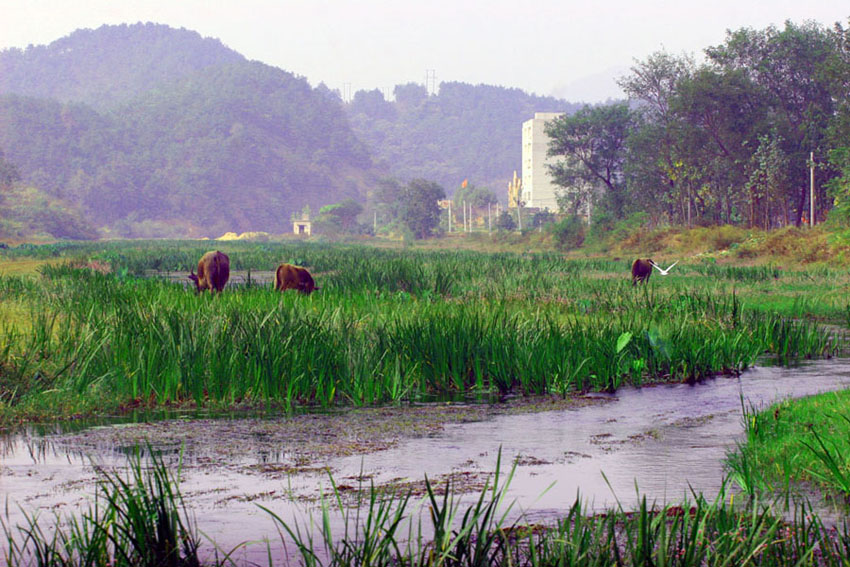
666, 439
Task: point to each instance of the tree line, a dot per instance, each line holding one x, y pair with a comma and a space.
727, 141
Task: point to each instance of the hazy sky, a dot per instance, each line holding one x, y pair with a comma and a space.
567, 48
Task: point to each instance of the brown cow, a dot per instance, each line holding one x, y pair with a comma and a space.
641, 270
213, 272
293, 277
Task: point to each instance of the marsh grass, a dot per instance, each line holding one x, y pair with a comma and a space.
140, 519
692, 533
388, 325
794, 444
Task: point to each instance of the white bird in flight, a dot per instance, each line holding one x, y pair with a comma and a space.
664, 272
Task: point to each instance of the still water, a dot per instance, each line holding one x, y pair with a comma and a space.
666, 440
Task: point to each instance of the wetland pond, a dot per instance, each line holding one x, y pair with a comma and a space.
665, 439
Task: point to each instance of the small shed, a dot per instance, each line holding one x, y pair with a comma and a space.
302, 227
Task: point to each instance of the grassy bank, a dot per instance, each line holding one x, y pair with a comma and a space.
389, 325
797, 443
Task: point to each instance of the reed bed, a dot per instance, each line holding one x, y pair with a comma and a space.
141, 520
388, 325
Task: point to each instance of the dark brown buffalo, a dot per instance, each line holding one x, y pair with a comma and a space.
641, 270
213, 272
293, 277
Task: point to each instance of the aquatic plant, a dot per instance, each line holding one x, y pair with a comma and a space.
387, 325
136, 521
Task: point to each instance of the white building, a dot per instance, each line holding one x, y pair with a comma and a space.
537, 187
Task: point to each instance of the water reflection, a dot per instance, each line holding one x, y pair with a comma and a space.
669, 440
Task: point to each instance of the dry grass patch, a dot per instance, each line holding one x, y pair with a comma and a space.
26, 267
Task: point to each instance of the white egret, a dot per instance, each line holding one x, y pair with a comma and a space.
664, 272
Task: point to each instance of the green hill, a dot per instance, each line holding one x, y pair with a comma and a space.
154, 131
110, 65
464, 132
217, 144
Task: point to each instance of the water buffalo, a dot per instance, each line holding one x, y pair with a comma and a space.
213, 272
641, 270
293, 277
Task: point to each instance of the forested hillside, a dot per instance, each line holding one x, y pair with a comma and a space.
109, 65
217, 144
464, 132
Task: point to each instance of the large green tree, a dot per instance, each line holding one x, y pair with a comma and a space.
418, 206
720, 118
655, 147
341, 216
593, 143
793, 69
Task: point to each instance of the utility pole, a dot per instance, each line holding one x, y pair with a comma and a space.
450, 216
375, 223
812, 188
489, 219
519, 214
463, 204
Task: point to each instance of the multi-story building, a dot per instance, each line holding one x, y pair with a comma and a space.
538, 190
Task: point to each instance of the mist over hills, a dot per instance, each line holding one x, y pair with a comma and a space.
154, 131
464, 132
109, 65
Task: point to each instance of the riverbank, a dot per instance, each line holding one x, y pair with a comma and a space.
669, 441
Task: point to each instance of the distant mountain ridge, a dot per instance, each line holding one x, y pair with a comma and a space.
155, 131
151, 130
466, 131
109, 65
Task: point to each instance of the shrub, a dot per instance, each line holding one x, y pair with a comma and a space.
568, 233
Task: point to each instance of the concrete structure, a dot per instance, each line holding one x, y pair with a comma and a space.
302, 226
537, 187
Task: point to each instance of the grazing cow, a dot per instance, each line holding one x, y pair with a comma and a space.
641, 270
293, 277
213, 272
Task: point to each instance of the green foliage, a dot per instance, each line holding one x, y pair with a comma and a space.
9, 173
26, 212
143, 522
542, 218
418, 208
721, 142
339, 217
473, 195
796, 441
839, 187
387, 325
568, 232
463, 132
110, 65
206, 141
506, 221
136, 521
593, 143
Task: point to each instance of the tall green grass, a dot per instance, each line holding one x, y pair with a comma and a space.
387, 325
795, 443
141, 521
137, 520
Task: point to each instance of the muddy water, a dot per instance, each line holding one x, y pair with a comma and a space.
665, 439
